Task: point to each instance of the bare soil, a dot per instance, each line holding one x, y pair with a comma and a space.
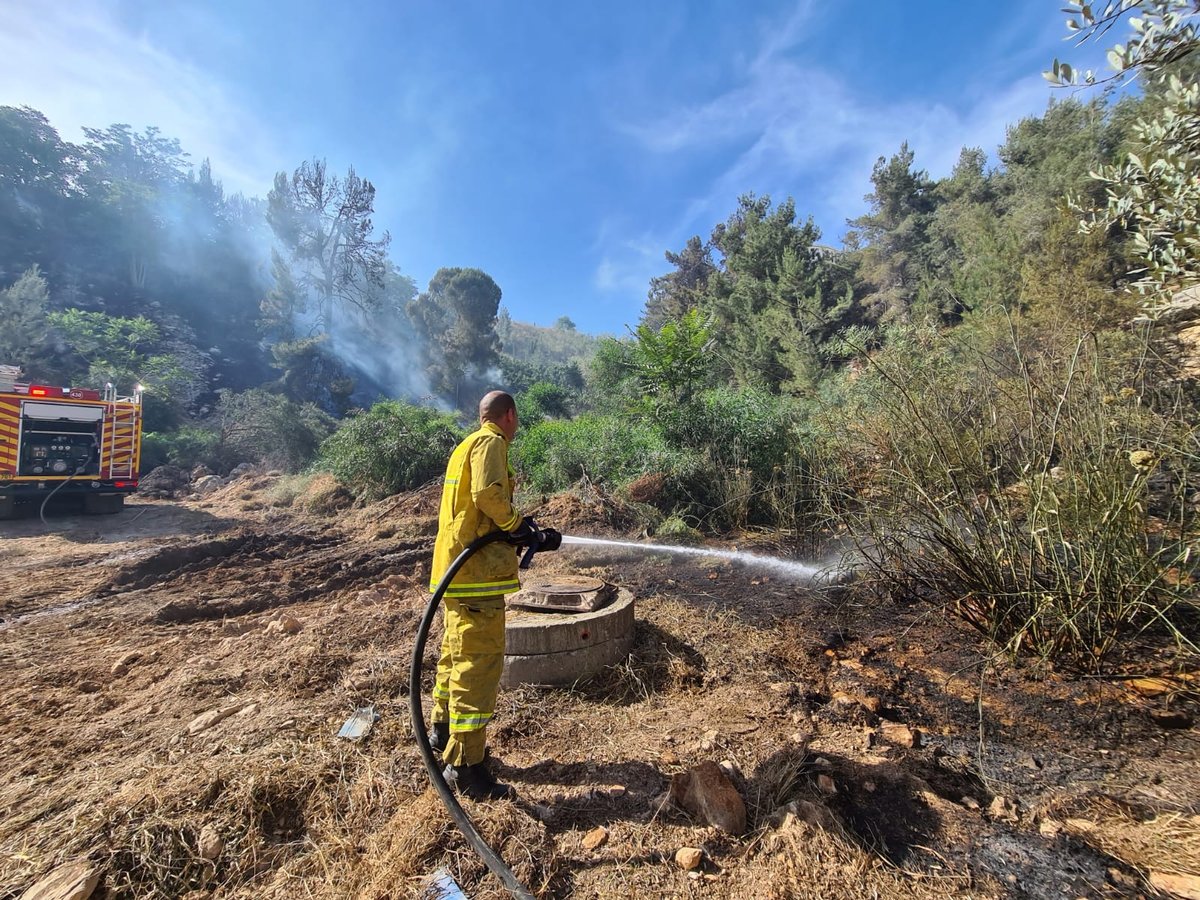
179, 672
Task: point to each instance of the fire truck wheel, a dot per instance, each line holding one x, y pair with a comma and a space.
103, 504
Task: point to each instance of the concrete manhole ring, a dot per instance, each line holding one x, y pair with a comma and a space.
560, 648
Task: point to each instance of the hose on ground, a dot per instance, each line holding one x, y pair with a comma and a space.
61, 485
474, 838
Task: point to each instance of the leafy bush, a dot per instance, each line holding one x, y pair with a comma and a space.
749, 467
185, 447
1039, 493
394, 446
264, 427
544, 400
608, 450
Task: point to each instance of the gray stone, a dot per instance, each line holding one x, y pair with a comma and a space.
209, 484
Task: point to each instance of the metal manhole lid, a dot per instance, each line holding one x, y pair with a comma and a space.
565, 584
563, 593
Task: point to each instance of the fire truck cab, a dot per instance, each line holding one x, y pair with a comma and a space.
67, 441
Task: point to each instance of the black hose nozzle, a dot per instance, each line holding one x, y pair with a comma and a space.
534, 539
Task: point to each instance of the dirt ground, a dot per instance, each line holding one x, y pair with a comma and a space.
175, 677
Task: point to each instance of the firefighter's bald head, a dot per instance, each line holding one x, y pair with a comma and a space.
500, 409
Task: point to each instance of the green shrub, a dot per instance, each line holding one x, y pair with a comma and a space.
544, 400
185, 447
259, 426
1018, 485
608, 450
394, 446
750, 463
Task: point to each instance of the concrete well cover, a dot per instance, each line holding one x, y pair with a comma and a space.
563, 593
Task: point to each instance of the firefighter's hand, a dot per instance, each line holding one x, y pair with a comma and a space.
523, 533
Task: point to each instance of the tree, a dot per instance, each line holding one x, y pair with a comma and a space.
23, 314
894, 236
456, 315
324, 224
128, 351
675, 293
1154, 194
127, 176
776, 296
283, 303
36, 173
672, 362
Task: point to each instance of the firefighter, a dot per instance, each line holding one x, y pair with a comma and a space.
477, 499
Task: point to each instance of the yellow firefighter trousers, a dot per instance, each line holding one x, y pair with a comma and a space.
468, 675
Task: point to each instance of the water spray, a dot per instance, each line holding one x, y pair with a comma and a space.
788, 568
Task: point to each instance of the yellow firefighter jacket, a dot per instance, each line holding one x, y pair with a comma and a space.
477, 500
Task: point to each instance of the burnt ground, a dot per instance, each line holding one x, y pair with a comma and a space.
175, 676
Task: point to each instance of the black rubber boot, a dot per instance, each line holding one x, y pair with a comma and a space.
477, 783
439, 737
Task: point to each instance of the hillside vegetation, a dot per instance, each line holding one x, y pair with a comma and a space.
985, 390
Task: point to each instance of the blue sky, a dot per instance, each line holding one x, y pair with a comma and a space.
561, 147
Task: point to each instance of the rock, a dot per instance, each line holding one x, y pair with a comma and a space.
285, 624
730, 768
118, 670
969, 802
242, 469
73, 881
1050, 828
900, 735
89, 687
595, 838
207, 720
1170, 718
709, 740
806, 811
688, 858
1185, 886
825, 784
200, 471
616, 790
708, 794
210, 844
1002, 809
164, 479
209, 484
869, 787
669, 758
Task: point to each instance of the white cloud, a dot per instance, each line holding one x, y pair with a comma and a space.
77, 65
792, 126
627, 263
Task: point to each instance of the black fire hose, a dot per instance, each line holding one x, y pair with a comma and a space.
544, 539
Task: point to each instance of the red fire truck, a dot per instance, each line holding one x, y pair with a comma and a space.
67, 441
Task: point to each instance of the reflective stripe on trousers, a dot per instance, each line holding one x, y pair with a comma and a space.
468, 674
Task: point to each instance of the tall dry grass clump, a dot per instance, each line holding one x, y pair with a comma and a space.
1041, 490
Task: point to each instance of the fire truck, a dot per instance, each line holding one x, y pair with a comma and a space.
67, 441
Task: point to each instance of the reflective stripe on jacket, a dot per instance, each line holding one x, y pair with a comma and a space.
477, 500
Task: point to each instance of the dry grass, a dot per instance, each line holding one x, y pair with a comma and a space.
803, 862
1144, 840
